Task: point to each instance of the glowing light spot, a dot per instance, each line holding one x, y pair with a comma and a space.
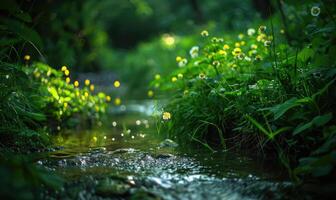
116, 84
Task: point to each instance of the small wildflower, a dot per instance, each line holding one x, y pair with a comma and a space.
250, 31
254, 46
92, 87
128, 131
180, 76
222, 52
87, 82
315, 11
66, 72
241, 36
86, 94
205, 33
201, 76
183, 62
138, 122
194, 51
174, 79
132, 137
237, 44
116, 84
166, 116
94, 139
7, 76
214, 40
26, 57
178, 58
108, 98
157, 77
117, 101
67, 80
236, 51
113, 139
150, 93
114, 124
226, 47
122, 134
58, 128
216, 63
261, 37
76, 83
242, 43
64, 68
248, 59
261, 29
267, 43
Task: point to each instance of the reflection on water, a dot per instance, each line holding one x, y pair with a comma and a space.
124, 159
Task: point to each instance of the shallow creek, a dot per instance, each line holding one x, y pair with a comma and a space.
126, 158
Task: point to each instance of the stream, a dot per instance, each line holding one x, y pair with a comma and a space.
126, 158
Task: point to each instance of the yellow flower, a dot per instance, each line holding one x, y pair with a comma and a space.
87, 82
178, 58
64, 68
94, 139
174, 79
116, 84
108, 98
65, 104
67, 80
261, 37
236, 51
222, 52
26, 57
242, 43
180, 76
157, 76
66, 72
237, 44
226, 47
76, 83
117, 101
92, 87
166, 116
205, 33
150, 93
86, 94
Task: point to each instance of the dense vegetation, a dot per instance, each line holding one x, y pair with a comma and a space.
269, 88
232, 75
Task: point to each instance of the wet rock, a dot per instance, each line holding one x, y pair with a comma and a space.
168, 143
164, 156
124, 150
110, 187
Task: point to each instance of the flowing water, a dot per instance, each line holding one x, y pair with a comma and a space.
126, 158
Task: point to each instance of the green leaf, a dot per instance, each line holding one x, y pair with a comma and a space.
53, 92
321, 120
305, 54
302, 127
281, 109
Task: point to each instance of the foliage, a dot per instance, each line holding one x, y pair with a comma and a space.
263, 90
